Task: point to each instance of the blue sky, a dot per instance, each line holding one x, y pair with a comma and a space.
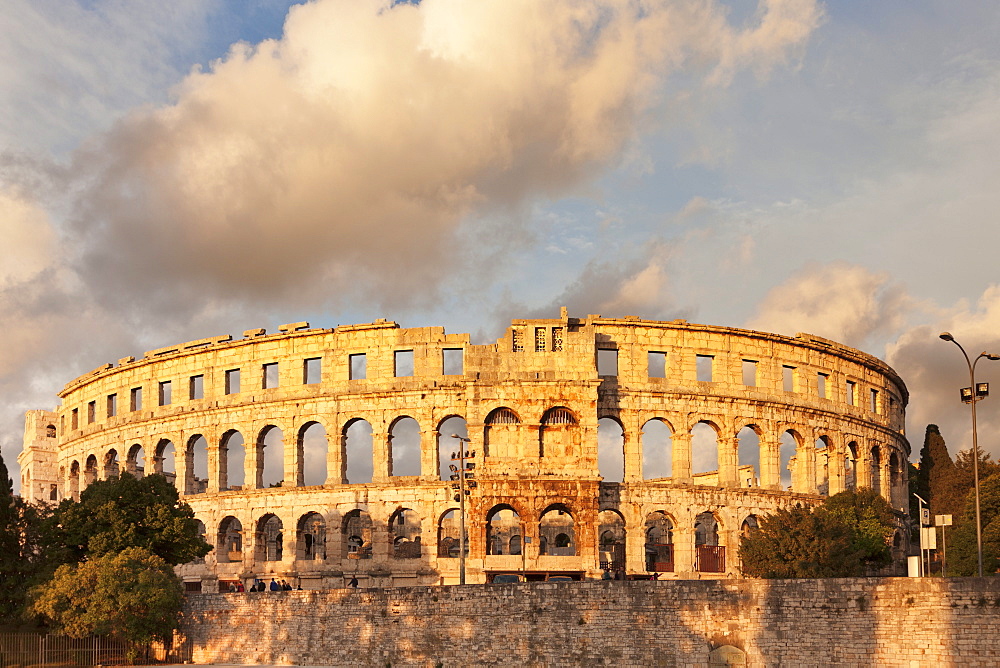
181, 170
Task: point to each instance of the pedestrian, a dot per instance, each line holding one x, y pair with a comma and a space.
240, 588
606, 575
274, 585
354, 582
285, 586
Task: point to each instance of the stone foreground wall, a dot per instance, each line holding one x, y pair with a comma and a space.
854, 622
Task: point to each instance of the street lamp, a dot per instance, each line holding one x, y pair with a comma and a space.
971, 395
920, 529
461, 474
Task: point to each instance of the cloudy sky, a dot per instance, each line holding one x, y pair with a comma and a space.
172, 171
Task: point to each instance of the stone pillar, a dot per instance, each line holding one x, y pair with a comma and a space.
381, 456
684, 547
770, 464
727, 451
863, 468
681, 457
184, 465
218, 464
255, 463
632, 444
807, 467
292, 456
836, 472
429, 456
335, 447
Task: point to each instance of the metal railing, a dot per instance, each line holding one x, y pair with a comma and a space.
19, 650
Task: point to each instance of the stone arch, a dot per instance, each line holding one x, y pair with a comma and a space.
611, 449
311, 537
823, 454
452, 425
404, 533
311, 454
270, 457
232, 460
501, 431
502, 523
710, 554
135, 461
229, 541
851, 465
358, 451
449, 527
657, 448
875, 470
404, 446
111, 465
356, 535
202, 532
659, 547
895, 474
556, 531
611, 537
559, 433
163, 459
748, 451
705, 448
791, 442
74, 480
50, 431
90, 469
196, 462
269, 539
749, 524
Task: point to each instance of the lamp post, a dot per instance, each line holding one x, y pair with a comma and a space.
462, 454
971, 395
920, 529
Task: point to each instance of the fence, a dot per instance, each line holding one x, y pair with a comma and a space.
34, 649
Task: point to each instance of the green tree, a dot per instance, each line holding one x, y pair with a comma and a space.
872, 523
21, 549
133, 595
124, 512
801, 543
962, 555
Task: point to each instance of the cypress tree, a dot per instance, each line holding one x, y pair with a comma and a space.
10, 547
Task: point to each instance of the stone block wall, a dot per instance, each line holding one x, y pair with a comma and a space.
892, 622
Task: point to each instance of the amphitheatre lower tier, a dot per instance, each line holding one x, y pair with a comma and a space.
579, 446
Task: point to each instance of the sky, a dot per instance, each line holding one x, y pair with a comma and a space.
173, 171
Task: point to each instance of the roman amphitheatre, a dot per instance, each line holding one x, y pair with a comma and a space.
594, 444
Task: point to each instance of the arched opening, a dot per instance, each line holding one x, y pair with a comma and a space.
787, 460
197, 465
50, 431
558, 435
311, 537
229, 542
659, 531
404, 534
555, 526
233, 453
270, 541
90, 471
895, 473
851, 466
312, 447
357, 535
135, 461
610, 450
447, 445
611, 540
876, 469
202, 532
163, 461
404, 447
270, 458
823, 452
359, 451
502, 524
500, 434
710, 557
74, 480
448, 535
748, 453
111, 464
705, 451
749, 525
657, 450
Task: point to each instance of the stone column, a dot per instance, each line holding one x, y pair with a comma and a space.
217, 465
254, 462
681, 456
770, 463
727, 451
632, 444
183, 465
381, 456
863, 467
335, 447
429, 456
684, 547
292, 456
836, 472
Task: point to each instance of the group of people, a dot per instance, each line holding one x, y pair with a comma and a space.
260, 585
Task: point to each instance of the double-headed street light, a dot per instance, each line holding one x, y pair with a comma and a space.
971, 395
461, 472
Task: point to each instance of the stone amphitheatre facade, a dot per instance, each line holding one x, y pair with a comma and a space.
317, 455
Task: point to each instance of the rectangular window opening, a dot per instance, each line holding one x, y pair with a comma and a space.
312, 371
821, 379
233, 381
269, 375
453, 361
657, 364
135, 399
165, 390
196, 387
850, 392
91, 412
358, 366
403, 363
607, 362
539, 339
74, 419
750, 373
517, 340
557, 339
788, 378
874, 401
112, 405
703, 366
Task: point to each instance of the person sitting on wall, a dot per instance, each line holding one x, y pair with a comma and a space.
285, 586
353, 583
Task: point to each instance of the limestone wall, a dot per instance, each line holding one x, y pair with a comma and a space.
888, 622
259, 434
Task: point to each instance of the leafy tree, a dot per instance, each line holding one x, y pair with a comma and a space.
133, 595
21, 551
962, 556
871, 520
801, 543
124, 512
